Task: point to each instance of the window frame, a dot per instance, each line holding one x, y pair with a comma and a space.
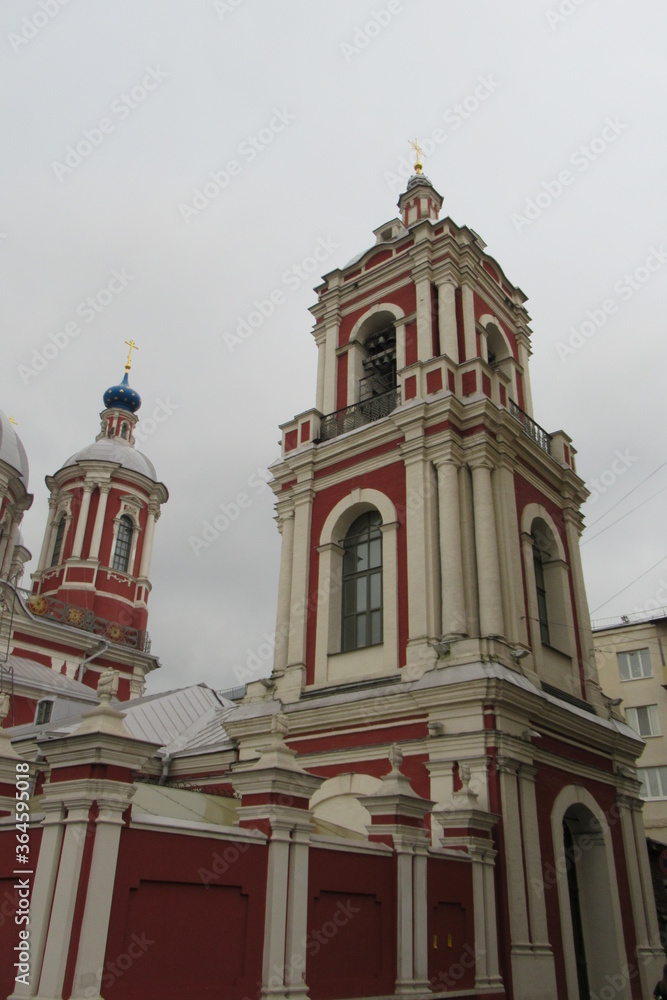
651, 720
360, 538
631, 652
660, 772
59, 540
123, 541
43, 711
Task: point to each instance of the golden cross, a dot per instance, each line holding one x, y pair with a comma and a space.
12, 421
418, 155
133, 347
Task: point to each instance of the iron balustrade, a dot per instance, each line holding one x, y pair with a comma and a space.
532, 429
85, 619
359, 414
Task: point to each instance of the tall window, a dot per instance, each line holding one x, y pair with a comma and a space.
60, 534
121, 555
644, 719
634, 664
362, 583
540, 586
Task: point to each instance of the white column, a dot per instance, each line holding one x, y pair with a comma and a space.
11, 543
468, 551
332, 324
468, 303
486, 549
510, 553
532, 610
404, 923
46, 544
42, 894
297, 914
64, 902
420, 912
149, 537
296, 652
580, 601
487, 973
95, 926
82, 520
99, 521
275, 931
320, 340
422, 279
449, 343
286, 524
514, 870
543, 960
524, 356
451, 562
422, 589
651, 949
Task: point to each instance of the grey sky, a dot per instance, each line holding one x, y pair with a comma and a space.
330, 118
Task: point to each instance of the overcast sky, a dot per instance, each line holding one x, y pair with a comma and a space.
117, 111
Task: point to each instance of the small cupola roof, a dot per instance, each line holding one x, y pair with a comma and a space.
122, 397
420, 200
11, 448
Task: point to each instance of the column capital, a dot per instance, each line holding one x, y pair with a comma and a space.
88, 486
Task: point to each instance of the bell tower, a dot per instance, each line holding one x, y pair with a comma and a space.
94, 566
427, 519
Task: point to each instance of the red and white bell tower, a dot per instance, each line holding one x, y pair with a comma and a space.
94, 566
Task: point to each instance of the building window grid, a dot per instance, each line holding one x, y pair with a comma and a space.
654, 782
634, 664
121, 555
644, 719
362, 584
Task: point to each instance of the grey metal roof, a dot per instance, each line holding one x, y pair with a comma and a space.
34, 674
11, 449
172, 718
117, 451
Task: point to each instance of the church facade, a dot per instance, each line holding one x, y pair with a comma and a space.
430, 795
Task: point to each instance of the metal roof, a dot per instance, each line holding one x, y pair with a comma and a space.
33, 674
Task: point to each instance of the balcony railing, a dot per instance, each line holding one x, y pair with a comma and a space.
533, 430
359, 414
78, 617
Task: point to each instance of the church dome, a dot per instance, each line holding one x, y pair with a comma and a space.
11, 449
122, 397
119, 452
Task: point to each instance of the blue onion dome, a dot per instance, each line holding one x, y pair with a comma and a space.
122, 397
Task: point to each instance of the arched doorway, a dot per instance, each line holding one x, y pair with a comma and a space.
593, 944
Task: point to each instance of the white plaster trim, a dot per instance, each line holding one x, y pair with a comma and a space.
145, 821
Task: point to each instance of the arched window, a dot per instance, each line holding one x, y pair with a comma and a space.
43, 713
541, 588
60, 534
362, 583
121, 555
123, 430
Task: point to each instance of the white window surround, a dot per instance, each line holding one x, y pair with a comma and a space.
601, 906
654, 783
635, 663
330, 664
644, 719
557, 582
356, 354
130, 506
